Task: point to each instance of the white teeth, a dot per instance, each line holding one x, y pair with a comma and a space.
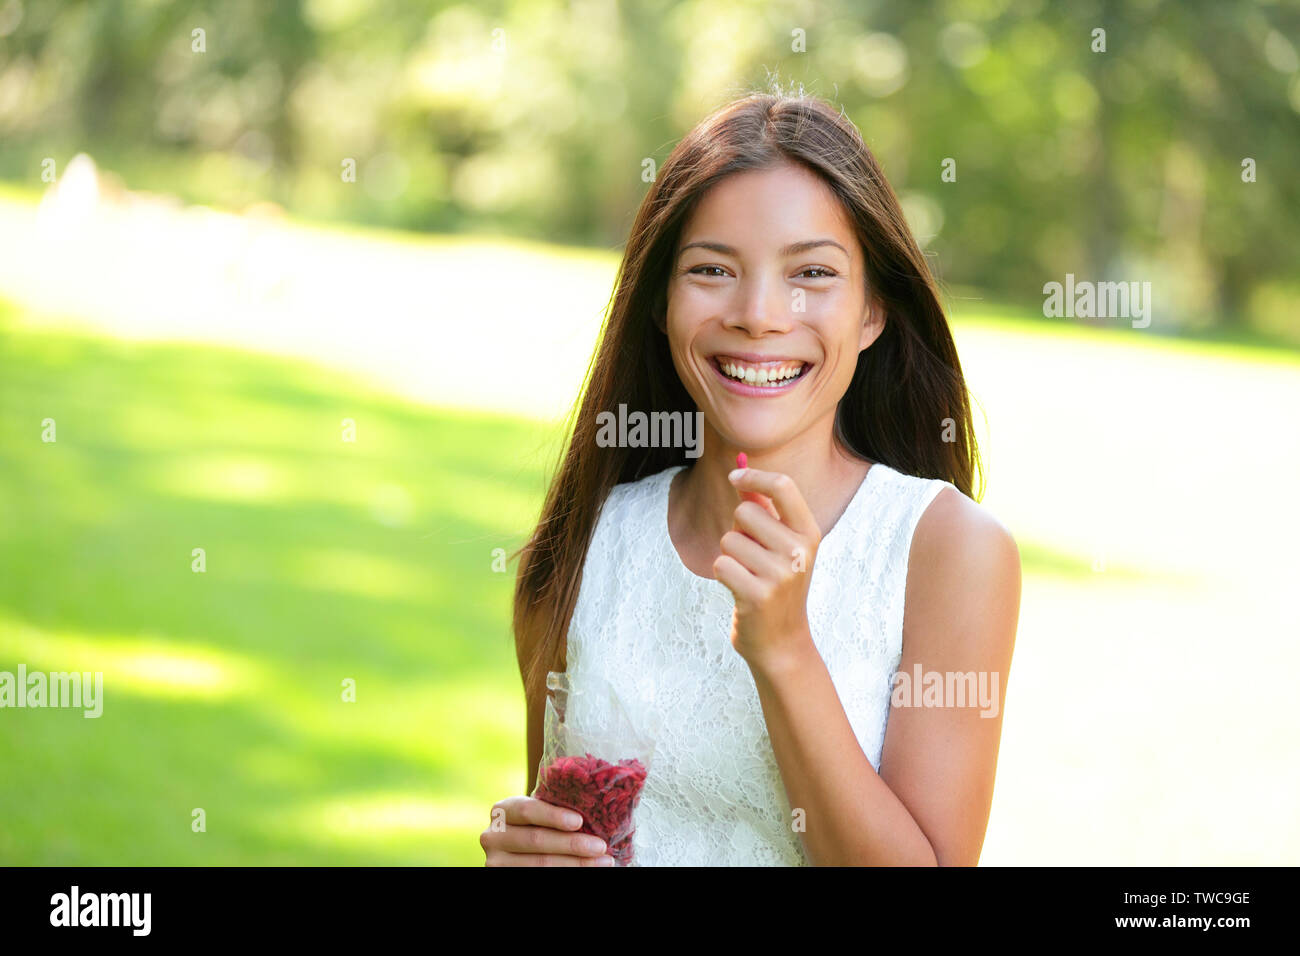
776, 377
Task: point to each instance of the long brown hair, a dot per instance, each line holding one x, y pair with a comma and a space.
906, 405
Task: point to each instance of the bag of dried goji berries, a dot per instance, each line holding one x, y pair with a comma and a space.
595, 758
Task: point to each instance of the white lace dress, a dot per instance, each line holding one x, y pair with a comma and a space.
659, 633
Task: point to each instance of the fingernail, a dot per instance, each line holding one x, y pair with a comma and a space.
573, 819
594, 845
605, 861
733, 475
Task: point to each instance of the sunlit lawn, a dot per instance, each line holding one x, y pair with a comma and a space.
325, 560
1126, 740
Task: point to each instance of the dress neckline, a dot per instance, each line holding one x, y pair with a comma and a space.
666, 538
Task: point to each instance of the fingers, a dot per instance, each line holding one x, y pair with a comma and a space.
544, 840
543, 859
781, 488
763, 501
531, 837
743, 583
742, 461
534, 812
516, 846
752, 555
765, 529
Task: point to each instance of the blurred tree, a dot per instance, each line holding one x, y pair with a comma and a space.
537, 117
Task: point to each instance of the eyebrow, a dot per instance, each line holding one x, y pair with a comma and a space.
790, 250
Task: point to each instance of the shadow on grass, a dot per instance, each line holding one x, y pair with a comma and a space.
122, 789
325, 560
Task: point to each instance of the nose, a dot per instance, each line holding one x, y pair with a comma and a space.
763, 305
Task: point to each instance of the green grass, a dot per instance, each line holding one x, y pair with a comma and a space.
325, 560
372, 561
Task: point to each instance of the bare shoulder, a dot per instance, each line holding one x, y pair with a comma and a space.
957, 531
963, 568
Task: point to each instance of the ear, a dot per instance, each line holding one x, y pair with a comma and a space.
873, 322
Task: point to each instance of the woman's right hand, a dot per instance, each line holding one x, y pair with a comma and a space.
525, 831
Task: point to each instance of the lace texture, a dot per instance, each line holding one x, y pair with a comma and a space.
659, 634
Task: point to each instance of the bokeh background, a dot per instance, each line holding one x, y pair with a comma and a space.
311, 285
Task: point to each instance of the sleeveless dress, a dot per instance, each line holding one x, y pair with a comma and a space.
660, 635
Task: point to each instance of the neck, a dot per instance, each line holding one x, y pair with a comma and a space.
825, 473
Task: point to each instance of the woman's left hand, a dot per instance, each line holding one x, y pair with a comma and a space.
766, 563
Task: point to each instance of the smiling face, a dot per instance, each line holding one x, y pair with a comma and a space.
767, 307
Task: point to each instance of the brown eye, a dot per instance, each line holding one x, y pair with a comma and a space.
825, 273
696, 270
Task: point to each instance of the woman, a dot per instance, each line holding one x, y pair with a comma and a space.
771, 284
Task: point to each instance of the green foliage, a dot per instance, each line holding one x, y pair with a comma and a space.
534, 117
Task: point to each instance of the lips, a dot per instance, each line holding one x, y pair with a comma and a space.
775, 372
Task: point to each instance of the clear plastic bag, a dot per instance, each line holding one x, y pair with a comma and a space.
595, 759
